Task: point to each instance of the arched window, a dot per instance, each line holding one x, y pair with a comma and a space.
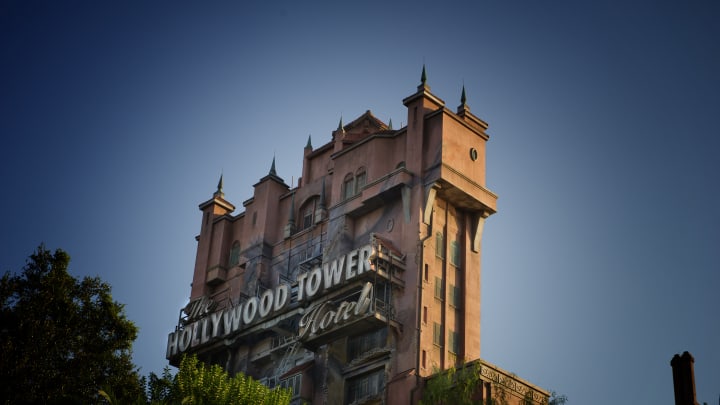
307, 213
348, 186
234, 259
360, 179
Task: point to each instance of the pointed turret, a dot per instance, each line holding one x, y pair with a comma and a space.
212, 210
463, 111
390, 124
309, 143
273, 172
219, 191
463, 107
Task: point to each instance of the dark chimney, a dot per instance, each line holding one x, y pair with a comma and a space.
684, 379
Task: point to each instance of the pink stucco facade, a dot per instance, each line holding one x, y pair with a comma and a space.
359, 283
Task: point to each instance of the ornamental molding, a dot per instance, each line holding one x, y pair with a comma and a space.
512, 383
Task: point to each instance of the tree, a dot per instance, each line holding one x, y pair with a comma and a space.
62, 339
463, 384
197, 384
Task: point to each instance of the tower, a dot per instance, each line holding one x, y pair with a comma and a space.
364, 279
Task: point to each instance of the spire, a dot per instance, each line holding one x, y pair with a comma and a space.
309, 143
272, 168
423, 87
219, 191
340, 127
463, 109
390, 124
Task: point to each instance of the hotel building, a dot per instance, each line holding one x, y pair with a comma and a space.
358, 284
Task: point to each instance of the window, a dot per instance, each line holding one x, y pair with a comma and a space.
426, 273
348, 186
425, 315
307, 213
360, 180
453, 342
437, 333
424, 359
455, 253
307, 217
234, 259
359, 345
439, 288
365, 386
294, 383
455, 296
440, 245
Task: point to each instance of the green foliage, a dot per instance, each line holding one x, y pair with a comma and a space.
463, 385
455, 386
61, 338
201, 385
161, 389
556, 399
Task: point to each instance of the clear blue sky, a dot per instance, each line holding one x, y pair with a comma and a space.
117, 118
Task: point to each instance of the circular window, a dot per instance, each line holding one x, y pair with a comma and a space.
473, 154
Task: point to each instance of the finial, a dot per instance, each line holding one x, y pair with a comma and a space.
309, 143
390, 124
272, 168
423, 76
340, 127
220, 184
463, 99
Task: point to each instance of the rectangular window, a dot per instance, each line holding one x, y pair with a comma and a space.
360, 180
439, 293
365, 386
455, 253
427, 271
308, 217
440, 245
455, 296
453, 342
293, 382
425, 315
348, 188
437, 333
424, 359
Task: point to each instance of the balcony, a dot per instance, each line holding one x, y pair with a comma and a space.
216, 275
380, 313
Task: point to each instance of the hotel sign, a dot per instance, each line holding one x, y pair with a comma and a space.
320, 318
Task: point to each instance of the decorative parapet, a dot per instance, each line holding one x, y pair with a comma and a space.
515, 384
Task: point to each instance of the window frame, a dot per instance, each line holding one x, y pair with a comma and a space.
440, 245
360, 179
348, 188
234, 256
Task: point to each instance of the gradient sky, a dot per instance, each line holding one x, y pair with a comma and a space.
118, 117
